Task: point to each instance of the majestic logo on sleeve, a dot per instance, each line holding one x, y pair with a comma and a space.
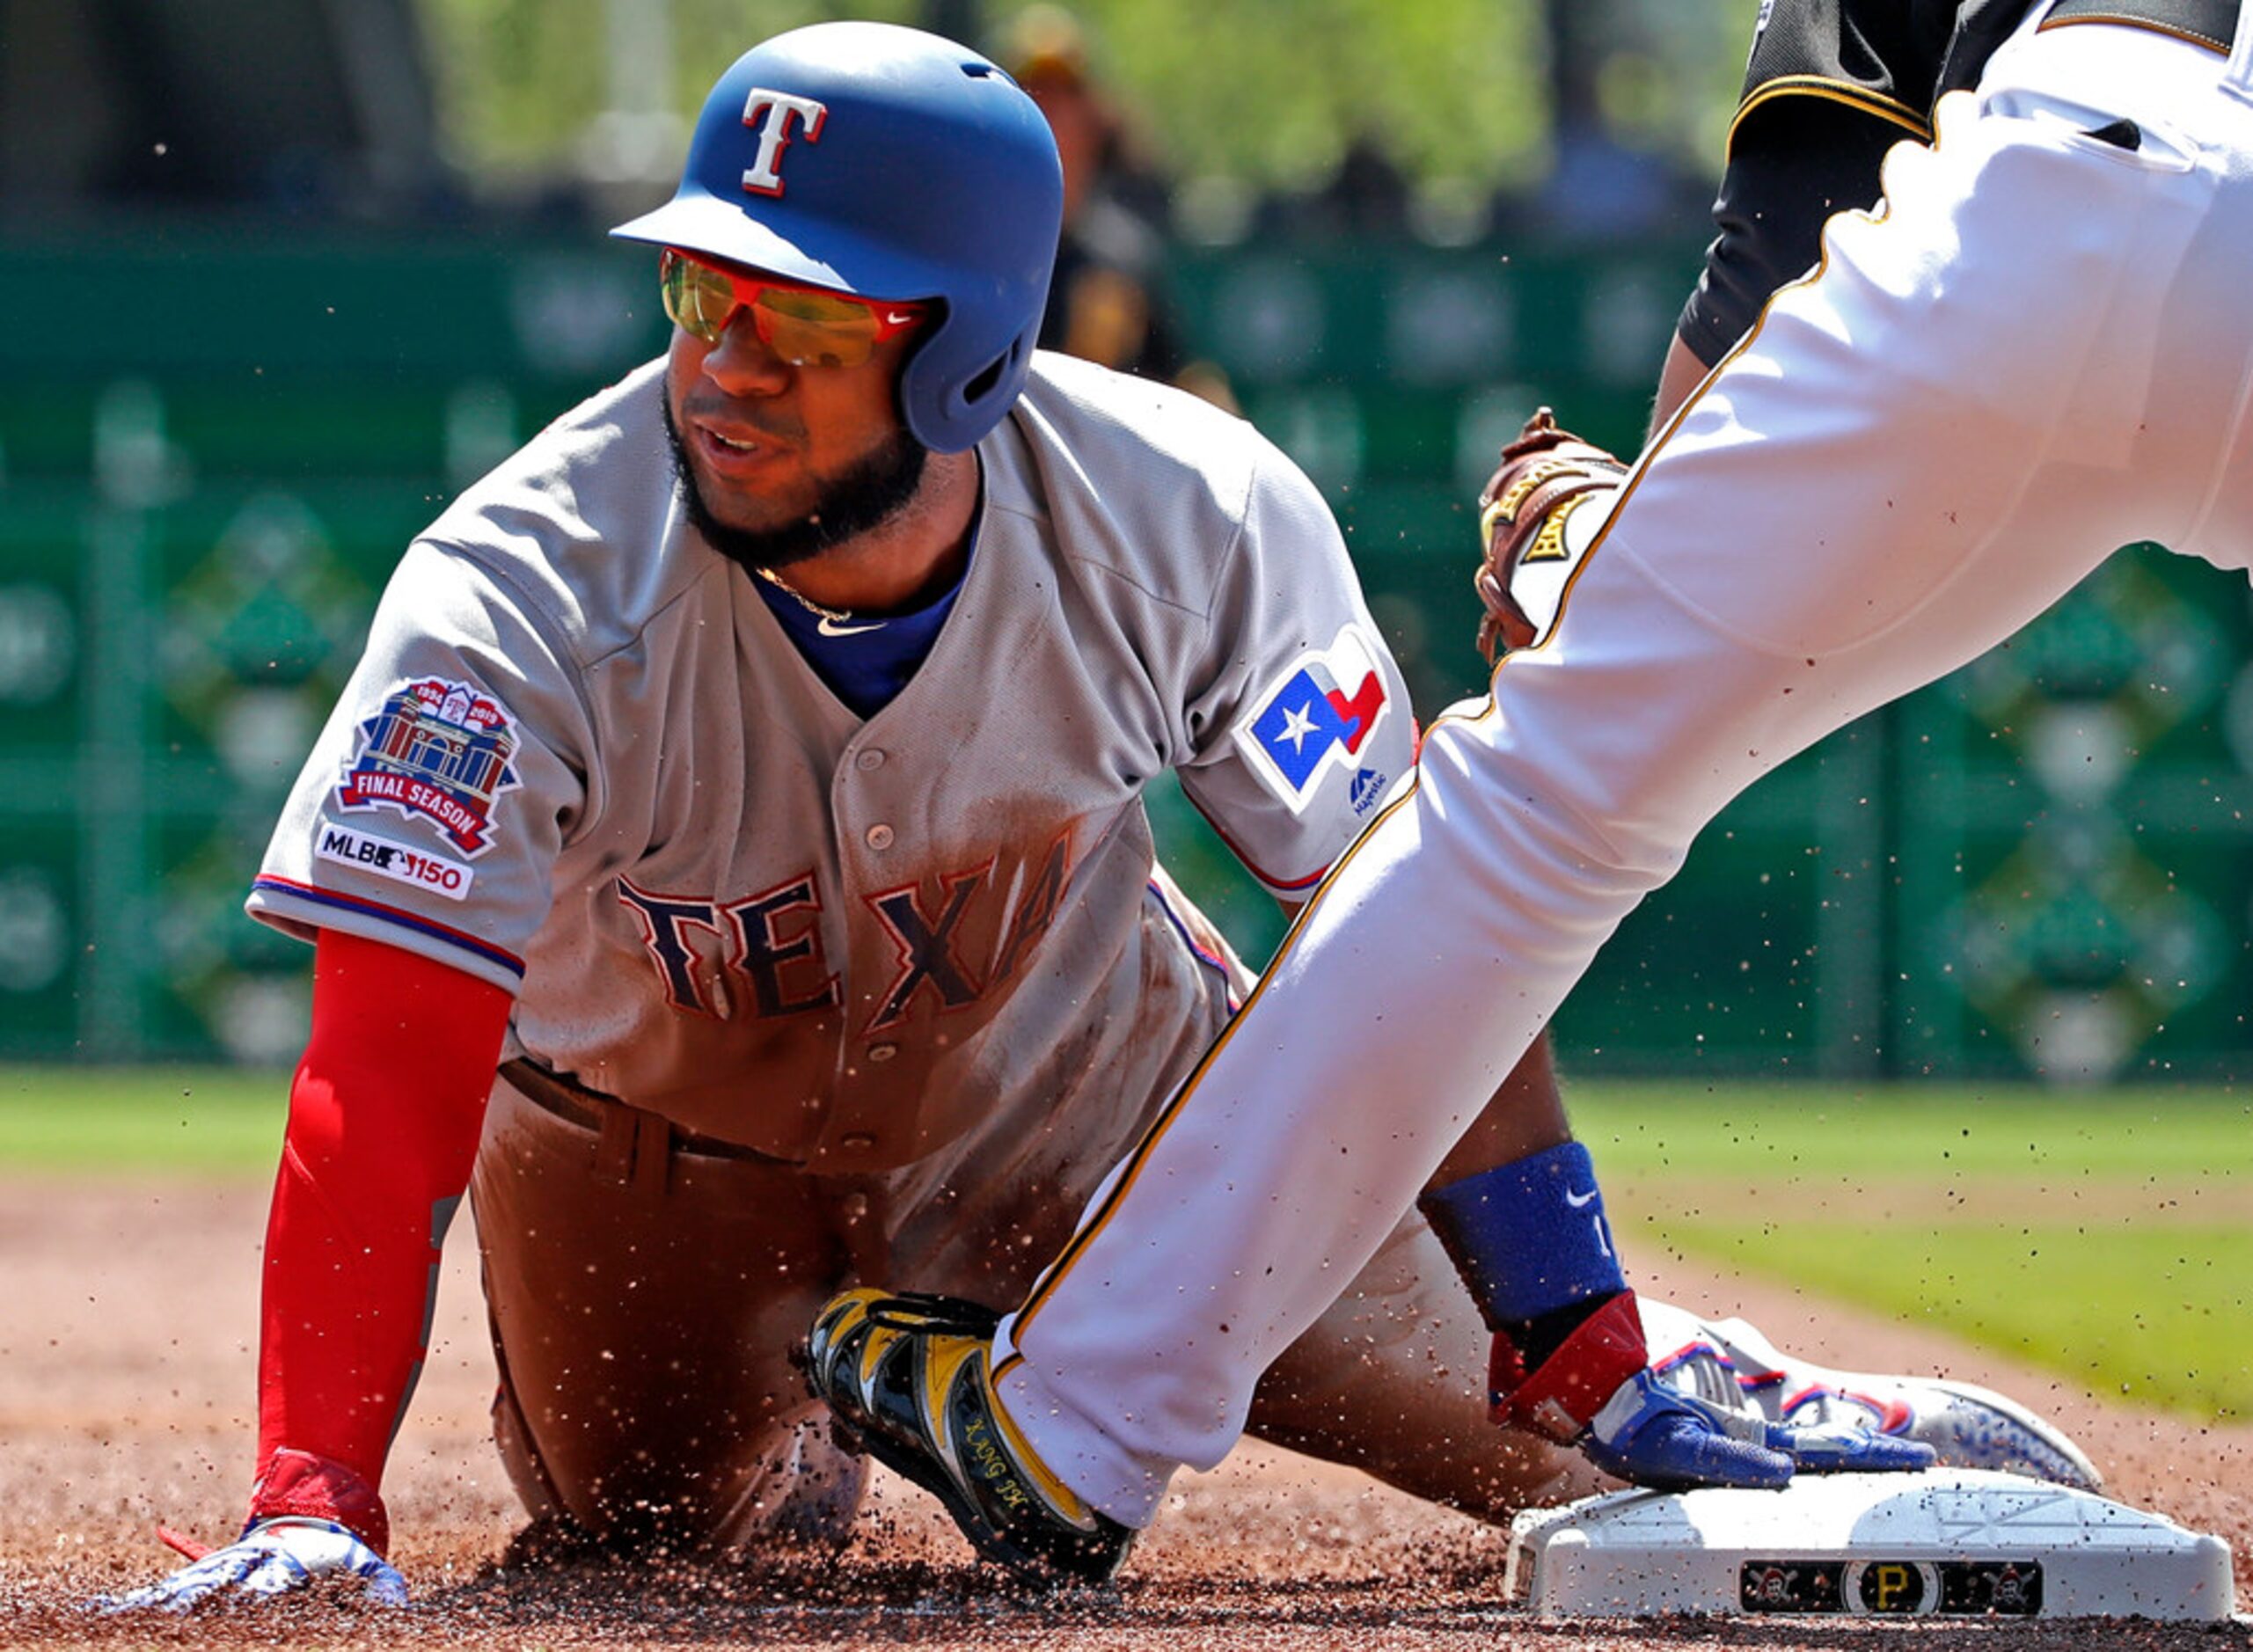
781, 109
439, 749
1316, 716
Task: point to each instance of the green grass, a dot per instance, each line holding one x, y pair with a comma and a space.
1775, 1132
2158, 1315
204, 1121
2105, 1235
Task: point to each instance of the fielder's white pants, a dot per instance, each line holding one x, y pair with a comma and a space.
2040, 349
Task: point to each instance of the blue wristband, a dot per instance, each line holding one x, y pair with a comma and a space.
1530, 1237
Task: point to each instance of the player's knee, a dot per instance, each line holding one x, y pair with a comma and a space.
782, 1489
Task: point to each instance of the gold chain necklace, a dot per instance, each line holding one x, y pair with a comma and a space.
835, 616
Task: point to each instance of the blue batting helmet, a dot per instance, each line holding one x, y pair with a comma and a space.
887, 163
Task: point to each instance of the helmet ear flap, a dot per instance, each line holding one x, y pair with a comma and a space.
947, 412
982, 382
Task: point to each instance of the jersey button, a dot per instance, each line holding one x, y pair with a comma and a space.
878, 836
869, 758
883, 1052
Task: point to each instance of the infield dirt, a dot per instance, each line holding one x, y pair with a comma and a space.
125, 1371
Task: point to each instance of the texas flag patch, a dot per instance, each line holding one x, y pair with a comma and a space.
1317, 716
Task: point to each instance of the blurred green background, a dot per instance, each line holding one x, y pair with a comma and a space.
278, 278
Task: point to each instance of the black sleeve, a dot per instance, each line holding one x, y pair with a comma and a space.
1795, 164
1828, 87
1881, 57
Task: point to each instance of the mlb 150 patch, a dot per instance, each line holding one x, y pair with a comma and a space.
436, 751
1315, 716
396, 861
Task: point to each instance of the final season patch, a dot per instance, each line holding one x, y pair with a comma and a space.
1318, 714
439, 749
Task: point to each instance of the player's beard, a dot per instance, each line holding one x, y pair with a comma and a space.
865, 495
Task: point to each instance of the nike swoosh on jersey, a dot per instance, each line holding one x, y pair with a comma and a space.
830, 627
1580, 1200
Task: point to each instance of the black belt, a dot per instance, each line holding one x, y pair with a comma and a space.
592, 1110
2208, 22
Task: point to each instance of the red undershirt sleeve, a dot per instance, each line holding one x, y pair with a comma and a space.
384, 1114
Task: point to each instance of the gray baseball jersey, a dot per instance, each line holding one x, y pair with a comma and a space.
580, 759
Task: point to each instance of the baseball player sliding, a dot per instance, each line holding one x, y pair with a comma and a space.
750, 772
1878, 454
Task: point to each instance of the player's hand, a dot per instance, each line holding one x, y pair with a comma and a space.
1650, 1434
1597, 1391
274, 1557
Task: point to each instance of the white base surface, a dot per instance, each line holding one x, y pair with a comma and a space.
1949, 1543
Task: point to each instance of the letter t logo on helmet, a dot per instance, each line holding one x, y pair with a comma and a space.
763, 177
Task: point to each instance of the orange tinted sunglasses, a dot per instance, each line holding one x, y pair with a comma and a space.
806, 326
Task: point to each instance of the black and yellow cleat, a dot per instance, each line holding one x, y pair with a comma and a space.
905, 1380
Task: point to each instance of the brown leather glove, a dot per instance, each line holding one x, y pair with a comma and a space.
1540, 480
